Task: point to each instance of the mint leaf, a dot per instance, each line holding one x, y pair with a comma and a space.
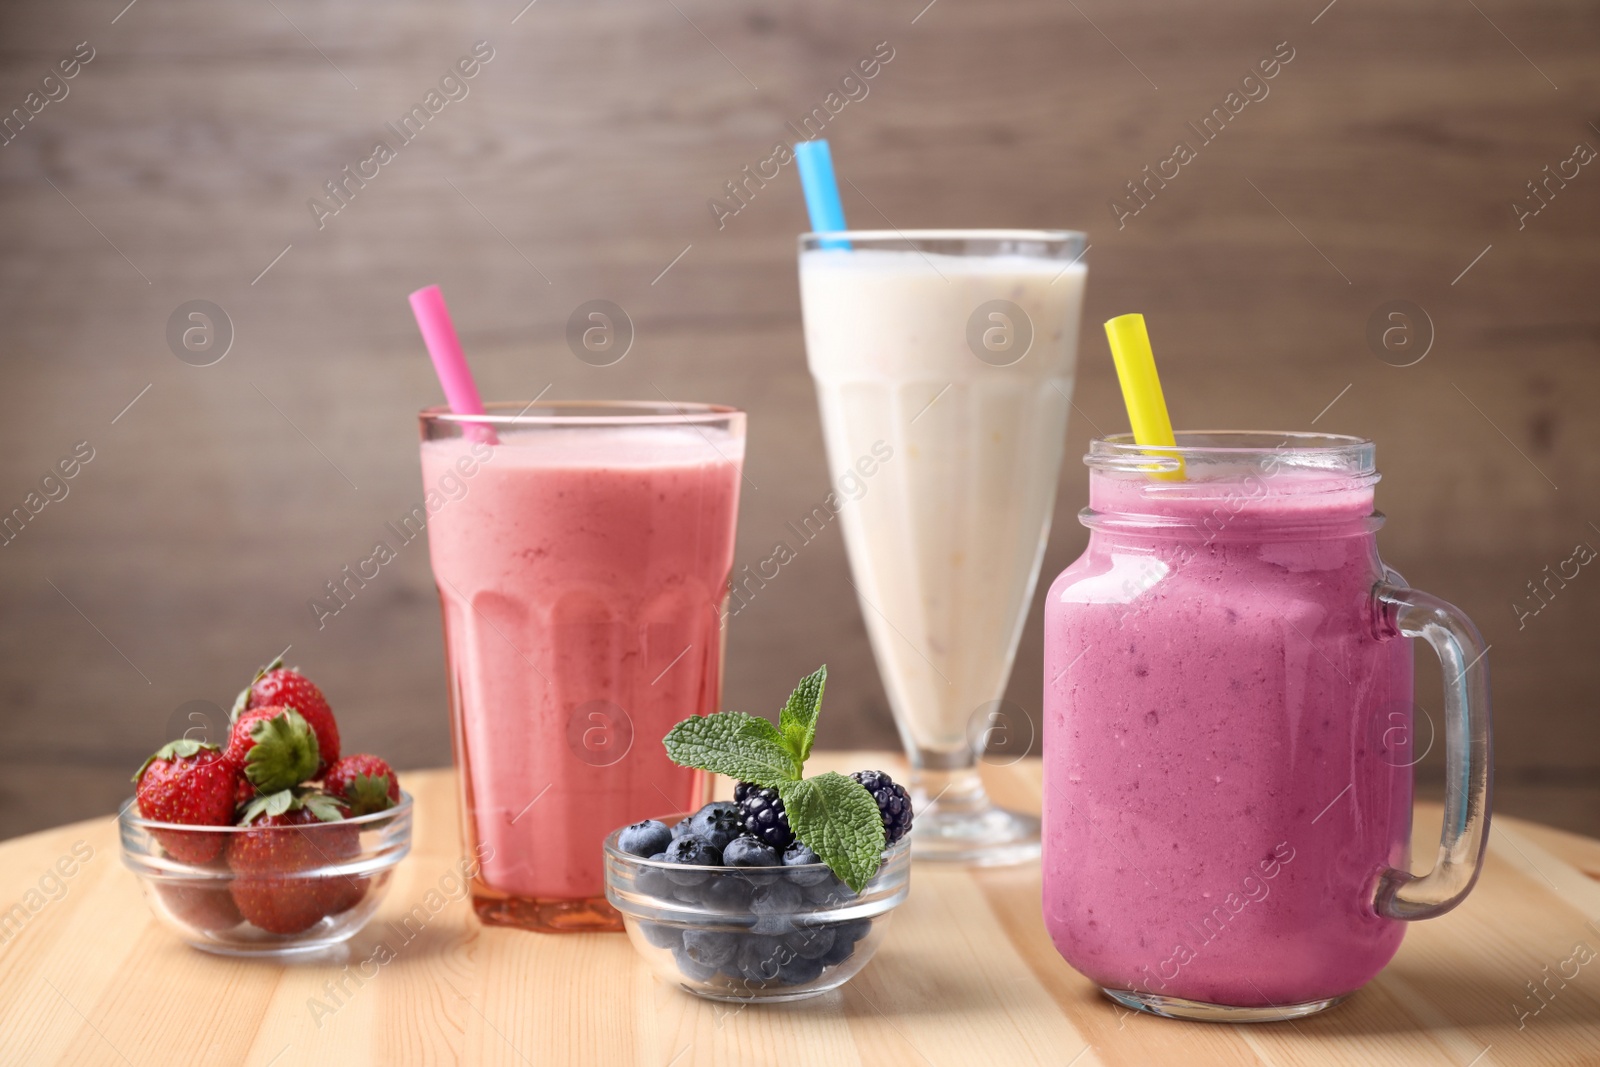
744, 747
837, 819
798, 720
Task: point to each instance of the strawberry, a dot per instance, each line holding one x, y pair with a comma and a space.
192, 783
366, 783
270, 853
277, 686
208, 908
274, 747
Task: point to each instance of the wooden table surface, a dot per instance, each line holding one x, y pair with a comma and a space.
966, 975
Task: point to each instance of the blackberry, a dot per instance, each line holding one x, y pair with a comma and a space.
763, 813
894, 804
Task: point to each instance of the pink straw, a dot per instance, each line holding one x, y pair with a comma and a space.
444, 347
449, 362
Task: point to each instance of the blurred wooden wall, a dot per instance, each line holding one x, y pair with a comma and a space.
177, 165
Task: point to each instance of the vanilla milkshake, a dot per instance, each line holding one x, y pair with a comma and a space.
957, 349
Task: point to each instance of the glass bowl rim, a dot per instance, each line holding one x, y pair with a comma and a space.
126, 817
890, 852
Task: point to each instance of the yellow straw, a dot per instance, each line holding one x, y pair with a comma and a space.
1141, 387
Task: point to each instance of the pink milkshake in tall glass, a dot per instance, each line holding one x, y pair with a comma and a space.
582, 554
1228, 734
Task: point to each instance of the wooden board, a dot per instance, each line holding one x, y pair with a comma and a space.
967, 975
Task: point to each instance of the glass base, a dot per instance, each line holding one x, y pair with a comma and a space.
1200, 1011
955, 820
990, 837
585, 915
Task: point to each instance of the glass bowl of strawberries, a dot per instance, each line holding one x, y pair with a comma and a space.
282, 884
269, 842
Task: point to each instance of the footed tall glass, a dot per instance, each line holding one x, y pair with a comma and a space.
943, 361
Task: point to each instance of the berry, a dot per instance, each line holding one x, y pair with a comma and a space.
811, 942
653, 881
681, 827
691, 851
207, 908
717, 823
644, 838
192, 783
710, 948
747, 851
763, 814
692, 968
274, 747
798, 855
266, 857
277, 686
365, 783
894, 803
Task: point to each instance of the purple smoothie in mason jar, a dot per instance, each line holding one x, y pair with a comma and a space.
1228, 733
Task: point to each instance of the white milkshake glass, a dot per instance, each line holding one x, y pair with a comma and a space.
956, 348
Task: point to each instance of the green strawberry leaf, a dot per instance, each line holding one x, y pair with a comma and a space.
179, 749
326, 808
837, 818
242, 701
368, 793
744, 747
798, 720
267, 804
285, 752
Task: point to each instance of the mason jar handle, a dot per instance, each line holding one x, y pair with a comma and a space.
1462, 841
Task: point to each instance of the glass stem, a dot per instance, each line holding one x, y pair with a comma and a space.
946, 784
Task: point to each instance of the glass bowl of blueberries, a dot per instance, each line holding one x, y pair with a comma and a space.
728, 914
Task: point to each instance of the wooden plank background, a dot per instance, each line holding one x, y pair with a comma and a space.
178, 166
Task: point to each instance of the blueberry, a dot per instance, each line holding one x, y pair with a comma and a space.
843, 948
799, 971
653, 881
829, 891
811, 942
725, 892
691, 851
746, 851
777, 898
681, 827
760, 958
718, 823
692, 968
799, 855
644, 838
852, 931
660, 936
689, 894
712, 948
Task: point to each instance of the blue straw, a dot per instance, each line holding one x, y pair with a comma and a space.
822, 190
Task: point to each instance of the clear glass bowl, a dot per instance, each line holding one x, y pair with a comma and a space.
185, 875
753, 933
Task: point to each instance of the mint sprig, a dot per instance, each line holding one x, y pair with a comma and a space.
838, 820
831, 814
740, 746
798, 720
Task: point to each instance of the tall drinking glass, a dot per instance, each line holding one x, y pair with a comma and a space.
951, 353
582, 553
